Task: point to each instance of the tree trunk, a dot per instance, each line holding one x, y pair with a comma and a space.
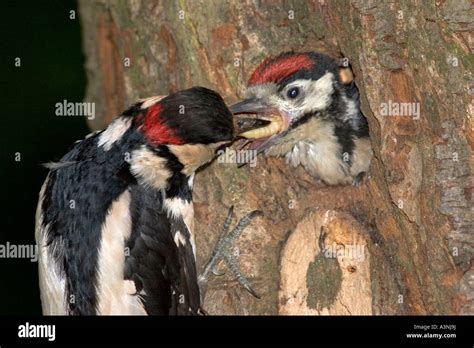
410, 222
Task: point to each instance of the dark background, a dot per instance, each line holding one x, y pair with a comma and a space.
49, 45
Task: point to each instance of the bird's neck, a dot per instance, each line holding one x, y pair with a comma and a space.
314, 130
159, 169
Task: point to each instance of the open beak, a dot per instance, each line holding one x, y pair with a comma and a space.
258, 122
249, 106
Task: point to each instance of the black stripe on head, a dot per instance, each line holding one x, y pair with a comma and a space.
197, 116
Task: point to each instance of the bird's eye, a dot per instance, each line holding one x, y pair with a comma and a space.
293, 92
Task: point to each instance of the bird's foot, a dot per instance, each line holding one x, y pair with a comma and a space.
359, 179
222, 250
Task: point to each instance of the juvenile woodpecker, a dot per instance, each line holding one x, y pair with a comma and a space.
115, 216
310, 108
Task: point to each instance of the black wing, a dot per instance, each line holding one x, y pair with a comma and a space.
163, 272
79, 191
186, 299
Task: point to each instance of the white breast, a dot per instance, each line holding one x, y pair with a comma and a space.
316, 148
322, 160
116, 296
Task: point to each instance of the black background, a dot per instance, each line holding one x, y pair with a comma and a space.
49, 45
315, 331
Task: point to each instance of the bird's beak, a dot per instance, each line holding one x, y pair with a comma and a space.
249, 106
255, 119
258, 122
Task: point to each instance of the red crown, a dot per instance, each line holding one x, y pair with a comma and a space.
277, 69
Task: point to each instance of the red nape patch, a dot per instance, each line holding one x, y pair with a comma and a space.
156, 132
276, 70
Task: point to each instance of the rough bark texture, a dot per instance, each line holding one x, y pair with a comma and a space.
413, 215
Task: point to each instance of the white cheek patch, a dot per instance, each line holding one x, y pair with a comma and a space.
149, 168
114, 132
317, 94
192, 156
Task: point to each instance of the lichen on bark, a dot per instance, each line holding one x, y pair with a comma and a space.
323, 281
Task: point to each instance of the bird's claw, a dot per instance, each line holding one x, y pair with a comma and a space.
221, 250
214, 271
359, 179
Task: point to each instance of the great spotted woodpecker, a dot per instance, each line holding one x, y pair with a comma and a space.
114, 222
310, 107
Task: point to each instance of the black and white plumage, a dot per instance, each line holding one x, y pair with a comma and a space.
115, 217
312, 114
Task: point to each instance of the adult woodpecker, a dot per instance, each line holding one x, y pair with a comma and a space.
310, 107
115, 217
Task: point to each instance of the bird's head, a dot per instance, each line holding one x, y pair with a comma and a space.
192, 125
285, 92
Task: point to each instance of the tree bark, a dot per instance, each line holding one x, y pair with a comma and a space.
412, 217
